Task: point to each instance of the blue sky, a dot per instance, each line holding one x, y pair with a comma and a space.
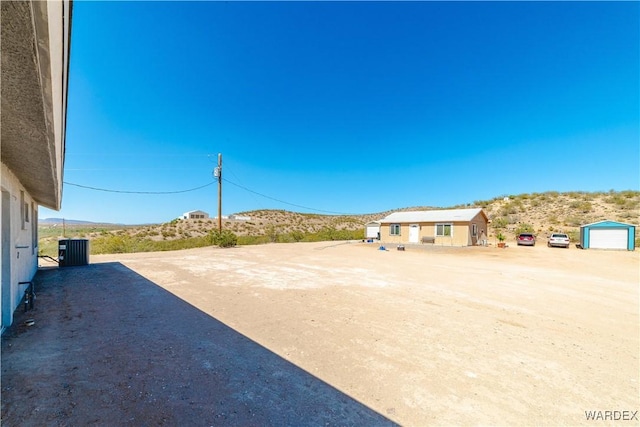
346, 107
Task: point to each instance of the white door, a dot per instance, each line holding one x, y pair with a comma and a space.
372, 231
414, 233
613, 238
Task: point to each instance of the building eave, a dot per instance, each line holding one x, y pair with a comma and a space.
35, 66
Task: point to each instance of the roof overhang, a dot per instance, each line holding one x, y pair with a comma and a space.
36, 37
608, 223
432, 216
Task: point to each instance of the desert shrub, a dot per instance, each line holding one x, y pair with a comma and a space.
509, 209
524, 228
513, 219
481, 203
328, 233
500, 222
585, 207
127, 244
616, 199
252, 240
573, 221
224, 238
272, 233
626, 216
285, 238
630, 204
331, 233
297, 235
113, 244
574, 235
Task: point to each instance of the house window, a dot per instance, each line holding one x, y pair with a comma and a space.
23, 213
394, 229
34, 228
443, 230
474, 230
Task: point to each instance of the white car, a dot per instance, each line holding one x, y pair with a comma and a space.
559, 240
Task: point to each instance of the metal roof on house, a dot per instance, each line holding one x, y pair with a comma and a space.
445, 215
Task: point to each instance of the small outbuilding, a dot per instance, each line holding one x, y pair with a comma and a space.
450, 227
372, 230
195, 215
608, 235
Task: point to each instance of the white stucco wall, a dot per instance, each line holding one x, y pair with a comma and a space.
19, 262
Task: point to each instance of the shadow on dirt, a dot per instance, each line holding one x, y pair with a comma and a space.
109, 347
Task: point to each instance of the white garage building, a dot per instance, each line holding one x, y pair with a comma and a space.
608, 235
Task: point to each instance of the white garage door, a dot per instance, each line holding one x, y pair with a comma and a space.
372, 231
608, 238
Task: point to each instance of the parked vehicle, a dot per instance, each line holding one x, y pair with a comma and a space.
526, 239
559, 240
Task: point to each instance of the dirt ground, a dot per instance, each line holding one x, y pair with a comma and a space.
329, 334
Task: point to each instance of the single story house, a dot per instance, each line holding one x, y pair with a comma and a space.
195, 215
36, 39
608, 235
450, 227
372, 230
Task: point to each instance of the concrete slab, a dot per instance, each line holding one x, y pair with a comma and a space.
110, 347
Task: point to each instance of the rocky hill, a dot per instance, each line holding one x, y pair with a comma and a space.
540, 212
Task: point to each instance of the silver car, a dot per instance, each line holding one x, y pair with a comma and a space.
560, 240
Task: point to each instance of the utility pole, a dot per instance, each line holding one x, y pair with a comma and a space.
217, 172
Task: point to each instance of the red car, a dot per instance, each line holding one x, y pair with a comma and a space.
526, 239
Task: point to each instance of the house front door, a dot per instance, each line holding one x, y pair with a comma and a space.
414, 233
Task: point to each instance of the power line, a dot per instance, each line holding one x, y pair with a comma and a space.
239, 180
282, 201
203, 186
137, 192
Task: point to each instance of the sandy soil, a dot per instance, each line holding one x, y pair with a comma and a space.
430, 335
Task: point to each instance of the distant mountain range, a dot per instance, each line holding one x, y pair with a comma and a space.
67, 221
